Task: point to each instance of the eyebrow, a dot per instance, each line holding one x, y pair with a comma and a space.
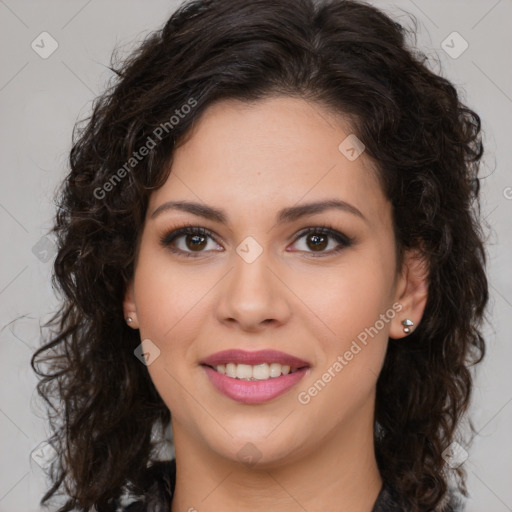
289, 214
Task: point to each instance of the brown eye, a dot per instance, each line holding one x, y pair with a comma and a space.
318, 242
195, 240
317, 239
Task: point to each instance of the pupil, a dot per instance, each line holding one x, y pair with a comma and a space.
316, 239
195, 243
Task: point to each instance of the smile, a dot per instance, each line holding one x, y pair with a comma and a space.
263, 371
254, 377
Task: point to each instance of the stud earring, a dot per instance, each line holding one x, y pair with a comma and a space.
129, 320
407, 325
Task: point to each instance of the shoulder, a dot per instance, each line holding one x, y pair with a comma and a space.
161, 481
389, 500
159, 488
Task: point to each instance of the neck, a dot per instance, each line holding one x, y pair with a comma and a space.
338, 472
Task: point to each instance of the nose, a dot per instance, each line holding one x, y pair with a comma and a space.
253, 296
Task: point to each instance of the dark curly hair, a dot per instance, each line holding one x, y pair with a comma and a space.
106, 416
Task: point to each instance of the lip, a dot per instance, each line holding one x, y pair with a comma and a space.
254, 357
253, 391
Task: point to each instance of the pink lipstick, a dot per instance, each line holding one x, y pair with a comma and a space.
254, 377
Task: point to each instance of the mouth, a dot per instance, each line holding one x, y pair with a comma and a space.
263, 371
254, 377
255, 365
250, 390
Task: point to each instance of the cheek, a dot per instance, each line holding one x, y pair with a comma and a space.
351, 352
170, 306
169, 297
349, 299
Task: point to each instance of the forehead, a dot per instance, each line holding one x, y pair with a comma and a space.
275, 152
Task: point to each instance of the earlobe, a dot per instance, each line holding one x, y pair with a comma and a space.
411, 294
129, 307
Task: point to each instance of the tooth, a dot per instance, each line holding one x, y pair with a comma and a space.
261, 371
231, 370
244, 371
275, 370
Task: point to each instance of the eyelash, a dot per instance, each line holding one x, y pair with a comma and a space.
325, 229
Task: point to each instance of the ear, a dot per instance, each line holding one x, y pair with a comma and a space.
129, 307
411, 293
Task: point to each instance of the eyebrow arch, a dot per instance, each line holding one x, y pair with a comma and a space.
289, 214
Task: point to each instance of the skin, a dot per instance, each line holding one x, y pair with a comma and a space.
276, 153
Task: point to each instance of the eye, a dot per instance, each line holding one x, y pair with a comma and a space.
195, 240
317, 239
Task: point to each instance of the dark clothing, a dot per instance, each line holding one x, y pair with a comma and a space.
162, 474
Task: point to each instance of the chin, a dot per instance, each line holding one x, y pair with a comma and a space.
260, 448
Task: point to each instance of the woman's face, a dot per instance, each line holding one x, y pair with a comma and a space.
256, 281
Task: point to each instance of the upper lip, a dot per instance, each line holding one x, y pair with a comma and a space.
253, 358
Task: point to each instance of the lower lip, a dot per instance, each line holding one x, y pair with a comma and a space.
253, 391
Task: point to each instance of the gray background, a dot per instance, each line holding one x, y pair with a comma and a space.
40, 100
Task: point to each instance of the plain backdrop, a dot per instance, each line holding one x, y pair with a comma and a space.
42, 95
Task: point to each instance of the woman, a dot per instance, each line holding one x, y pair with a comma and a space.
268, 240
